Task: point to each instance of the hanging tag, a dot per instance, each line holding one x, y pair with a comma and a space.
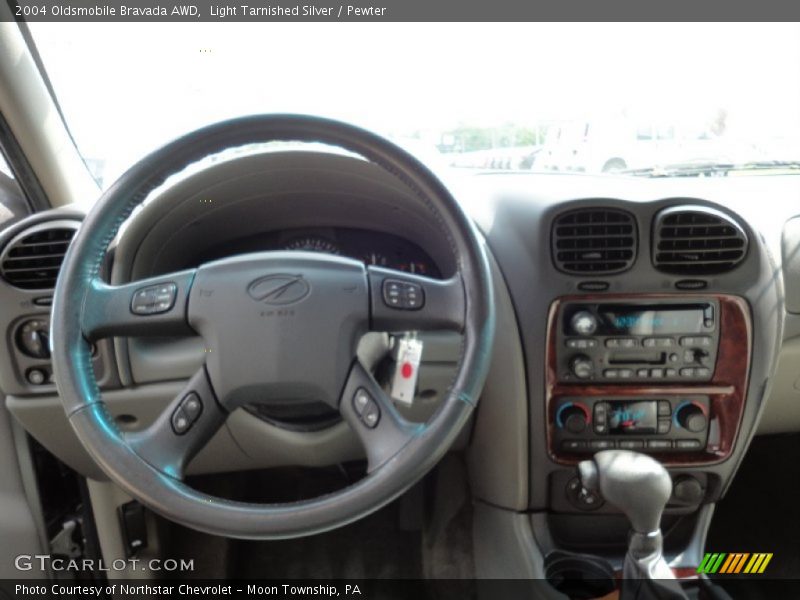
406, 371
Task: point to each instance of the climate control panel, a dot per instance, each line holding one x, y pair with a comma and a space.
657, 424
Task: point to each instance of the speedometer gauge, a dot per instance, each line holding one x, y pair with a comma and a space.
313, 244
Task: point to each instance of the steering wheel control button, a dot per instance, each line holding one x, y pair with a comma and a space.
154, 299
360, 401
371, 416
366, 408
187, 413
192, 406
180, 421
404, 295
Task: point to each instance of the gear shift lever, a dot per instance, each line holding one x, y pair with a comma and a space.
640, 487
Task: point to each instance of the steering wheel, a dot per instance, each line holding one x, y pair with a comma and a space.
274, 325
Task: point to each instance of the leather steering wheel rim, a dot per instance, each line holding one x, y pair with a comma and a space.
86, 308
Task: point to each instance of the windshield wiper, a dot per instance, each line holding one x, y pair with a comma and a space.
712, 169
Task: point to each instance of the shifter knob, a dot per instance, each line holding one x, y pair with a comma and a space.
635, 483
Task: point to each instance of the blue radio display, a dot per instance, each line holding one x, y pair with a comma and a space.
646, 320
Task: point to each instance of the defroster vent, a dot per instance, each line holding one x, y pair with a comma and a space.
594, 240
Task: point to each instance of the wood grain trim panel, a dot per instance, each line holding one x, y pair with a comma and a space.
727, 391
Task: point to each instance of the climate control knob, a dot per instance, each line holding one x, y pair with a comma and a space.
691, 417
573, 417
583, 323
581, 366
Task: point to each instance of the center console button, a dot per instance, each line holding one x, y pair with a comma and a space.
659, 444
664, 408
658, 342
601, 444
581, 343
573, 445
631, 444
688, 444
664, 426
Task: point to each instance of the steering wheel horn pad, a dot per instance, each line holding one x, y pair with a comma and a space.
275, 325
279, 325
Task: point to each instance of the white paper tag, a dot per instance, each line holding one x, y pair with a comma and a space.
406, 371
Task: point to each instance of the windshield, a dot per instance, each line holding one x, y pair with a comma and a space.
595, 98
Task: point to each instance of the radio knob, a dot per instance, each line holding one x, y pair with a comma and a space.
692, 418
581, 366
583, 323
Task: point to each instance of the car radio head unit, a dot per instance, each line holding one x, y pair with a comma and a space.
637, 341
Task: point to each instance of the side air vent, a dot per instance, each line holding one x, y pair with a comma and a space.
695, 240
32, 259
594, 240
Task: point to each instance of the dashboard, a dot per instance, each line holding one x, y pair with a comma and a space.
612, 331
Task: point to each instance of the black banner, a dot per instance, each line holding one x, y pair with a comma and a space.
400, 10
752, 586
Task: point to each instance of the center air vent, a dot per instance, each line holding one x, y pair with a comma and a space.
32, 259
695, 240
594, 240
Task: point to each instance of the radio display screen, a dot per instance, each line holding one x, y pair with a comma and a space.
638, 417
650, 320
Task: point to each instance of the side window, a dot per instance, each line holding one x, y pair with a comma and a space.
12, 202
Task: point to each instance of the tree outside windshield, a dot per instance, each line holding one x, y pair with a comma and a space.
595, 98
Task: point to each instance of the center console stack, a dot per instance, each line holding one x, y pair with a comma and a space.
660, 374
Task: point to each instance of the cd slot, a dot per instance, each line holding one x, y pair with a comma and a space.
649, 358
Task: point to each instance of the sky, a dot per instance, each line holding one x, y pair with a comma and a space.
125, 89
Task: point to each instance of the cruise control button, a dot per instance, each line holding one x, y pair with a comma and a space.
360, 401
180, 421
366, 408
192, 407
371, 416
